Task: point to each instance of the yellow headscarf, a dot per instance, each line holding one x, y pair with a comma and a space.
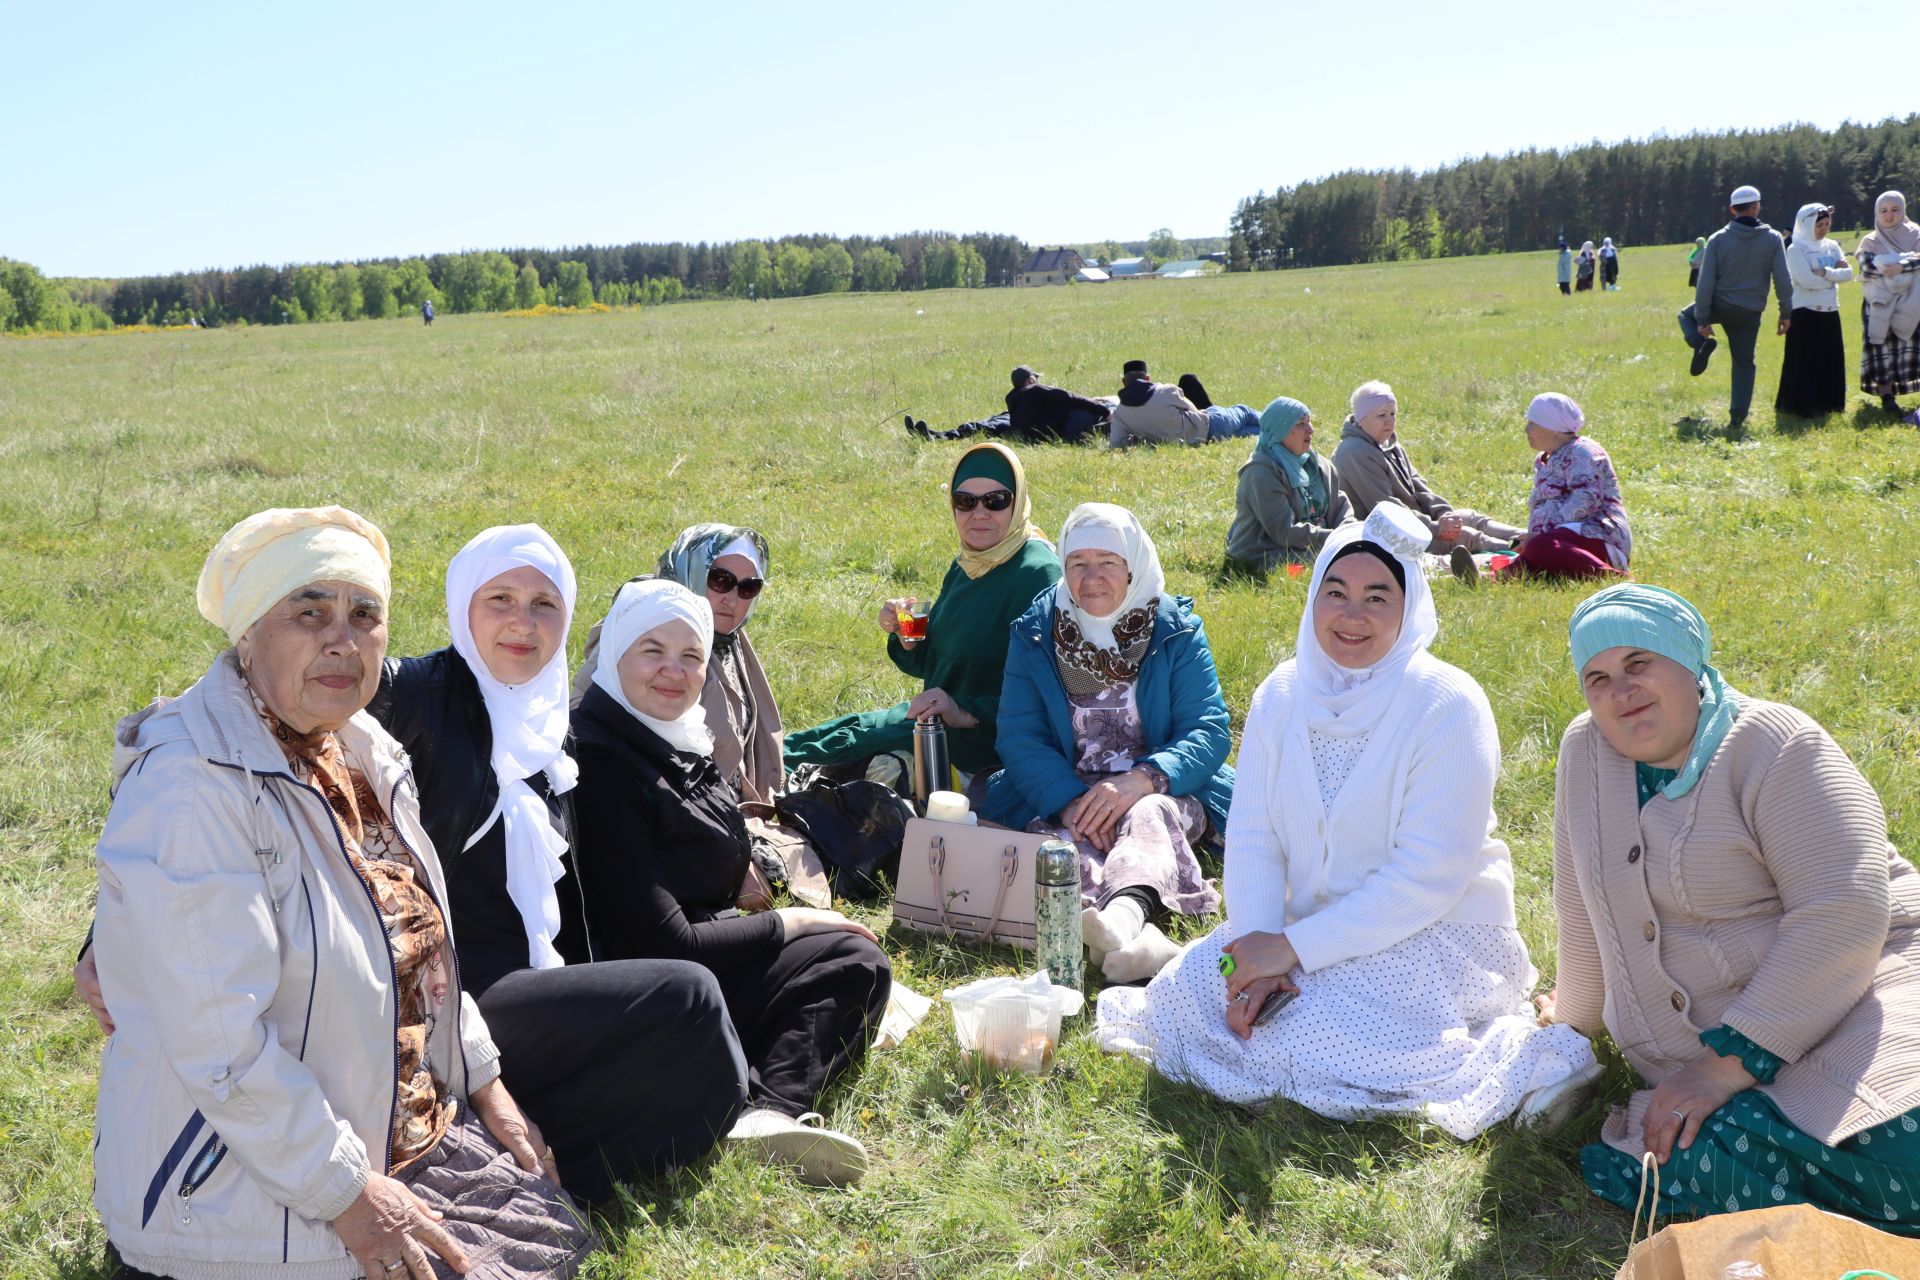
1007, 469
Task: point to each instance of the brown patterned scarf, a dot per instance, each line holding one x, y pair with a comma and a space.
1086, 668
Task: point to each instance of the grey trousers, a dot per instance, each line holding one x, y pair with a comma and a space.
1742, 328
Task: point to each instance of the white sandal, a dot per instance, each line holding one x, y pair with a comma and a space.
819, 1156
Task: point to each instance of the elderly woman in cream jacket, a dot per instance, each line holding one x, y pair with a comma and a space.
1733, 915
296, 1084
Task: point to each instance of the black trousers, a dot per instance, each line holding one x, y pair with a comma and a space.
806, 1017
1080, 423
629, 1067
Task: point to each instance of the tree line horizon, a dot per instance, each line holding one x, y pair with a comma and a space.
1647, 191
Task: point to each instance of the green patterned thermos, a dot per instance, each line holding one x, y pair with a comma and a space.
1056, 913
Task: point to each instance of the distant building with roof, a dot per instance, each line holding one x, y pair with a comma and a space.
1183, 269
1051, 266
1090, 275
1128, 267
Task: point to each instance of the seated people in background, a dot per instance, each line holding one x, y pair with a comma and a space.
1159, 413
1004, 562
295, 1068
1576, 526
1373, 467
1113, 734
1036, 413
665, 847
1754, 952
1288, 498
1363, 877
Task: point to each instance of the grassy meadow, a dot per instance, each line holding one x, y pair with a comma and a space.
124, 458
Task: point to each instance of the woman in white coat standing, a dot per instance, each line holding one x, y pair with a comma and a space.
1364, 884
1813, 370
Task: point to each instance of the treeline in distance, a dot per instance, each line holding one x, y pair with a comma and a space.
1654, 191
495, 280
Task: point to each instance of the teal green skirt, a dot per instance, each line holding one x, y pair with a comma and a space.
1749, 1156
852, 738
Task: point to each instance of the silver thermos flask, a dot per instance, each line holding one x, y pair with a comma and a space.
1056, 914
931, 769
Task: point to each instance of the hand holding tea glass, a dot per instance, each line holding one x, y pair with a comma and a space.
905, 618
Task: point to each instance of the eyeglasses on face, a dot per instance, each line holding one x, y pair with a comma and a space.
720, 581
993, 500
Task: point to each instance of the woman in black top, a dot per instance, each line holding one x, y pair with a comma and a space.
664, 851
628, 1066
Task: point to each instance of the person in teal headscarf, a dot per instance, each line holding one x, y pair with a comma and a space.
1732, 913
1288, 498
1004, 561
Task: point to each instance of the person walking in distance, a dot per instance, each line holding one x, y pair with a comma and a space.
1739, 261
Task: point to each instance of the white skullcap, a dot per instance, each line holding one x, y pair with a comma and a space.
268, 556
1744, 195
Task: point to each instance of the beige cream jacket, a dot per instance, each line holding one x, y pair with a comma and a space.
1766, 899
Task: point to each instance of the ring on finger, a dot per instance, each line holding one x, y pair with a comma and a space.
1678, 1115
398, 1264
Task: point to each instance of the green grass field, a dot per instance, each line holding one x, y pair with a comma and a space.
124, 458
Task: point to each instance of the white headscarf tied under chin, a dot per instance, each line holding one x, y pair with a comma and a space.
529, 724
1102, 526
638, 609
1345, 701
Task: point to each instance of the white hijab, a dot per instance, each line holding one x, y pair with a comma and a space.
638, 609
1102, 526
529, 724
1346, 701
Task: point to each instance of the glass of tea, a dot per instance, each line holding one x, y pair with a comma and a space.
913, 622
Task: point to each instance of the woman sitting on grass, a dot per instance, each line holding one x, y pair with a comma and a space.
1363, 878
1288, 498
729, 566
1576, 525
1373, 467
665, 847
1114, 736
1732, 913
1004, 562
298, 1083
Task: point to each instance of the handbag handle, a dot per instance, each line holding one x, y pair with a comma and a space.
937, 864
1009, 867
1649, 1180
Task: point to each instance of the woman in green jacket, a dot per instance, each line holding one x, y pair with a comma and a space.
1004, 562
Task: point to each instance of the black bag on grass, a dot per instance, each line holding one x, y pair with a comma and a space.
856, 828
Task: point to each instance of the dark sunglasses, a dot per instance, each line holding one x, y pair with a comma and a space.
719, 581
995, 500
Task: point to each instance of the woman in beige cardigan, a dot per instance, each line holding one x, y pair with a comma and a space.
1731, 912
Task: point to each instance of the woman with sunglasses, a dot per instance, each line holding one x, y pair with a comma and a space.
1003, 563
729, 565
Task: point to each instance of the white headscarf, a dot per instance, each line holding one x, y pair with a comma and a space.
1345, 701
529, 723
638, 609
1102, 526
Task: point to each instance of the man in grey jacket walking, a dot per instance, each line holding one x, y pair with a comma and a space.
1732, 292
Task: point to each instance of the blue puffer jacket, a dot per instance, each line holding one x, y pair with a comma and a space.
1181, 711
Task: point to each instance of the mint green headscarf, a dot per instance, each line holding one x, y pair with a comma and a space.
1652, 618
1276, 420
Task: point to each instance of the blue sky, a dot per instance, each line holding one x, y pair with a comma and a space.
149, 138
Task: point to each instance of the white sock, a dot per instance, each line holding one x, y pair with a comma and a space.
1141, 958
1112, 926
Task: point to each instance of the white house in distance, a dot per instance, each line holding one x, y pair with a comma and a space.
1184, 269
1090, 275
1051, 266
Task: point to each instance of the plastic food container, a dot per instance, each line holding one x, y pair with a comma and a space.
1012, 1024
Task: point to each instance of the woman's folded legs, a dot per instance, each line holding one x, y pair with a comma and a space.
629, 1067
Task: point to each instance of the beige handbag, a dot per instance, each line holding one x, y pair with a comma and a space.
974, 881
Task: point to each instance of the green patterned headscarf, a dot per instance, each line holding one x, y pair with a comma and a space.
1637, 616
698, 546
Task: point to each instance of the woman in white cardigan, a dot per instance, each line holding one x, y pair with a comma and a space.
1364, 884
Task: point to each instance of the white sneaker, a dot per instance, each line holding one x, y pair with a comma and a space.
821, 1157
1549, 1107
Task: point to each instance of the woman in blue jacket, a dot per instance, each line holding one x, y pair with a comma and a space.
1114, 735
